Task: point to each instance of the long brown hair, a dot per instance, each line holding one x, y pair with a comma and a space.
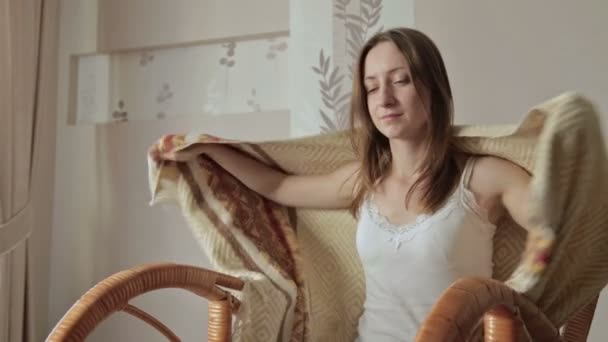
439, 171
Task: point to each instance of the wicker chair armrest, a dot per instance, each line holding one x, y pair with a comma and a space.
114, 293
464, 304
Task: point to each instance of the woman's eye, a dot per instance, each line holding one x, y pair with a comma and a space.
403, 81
372, 90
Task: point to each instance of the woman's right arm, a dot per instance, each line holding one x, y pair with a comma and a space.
327, 191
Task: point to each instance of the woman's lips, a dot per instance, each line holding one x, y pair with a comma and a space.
391, 116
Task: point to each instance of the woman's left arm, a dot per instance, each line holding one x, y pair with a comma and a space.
509, 184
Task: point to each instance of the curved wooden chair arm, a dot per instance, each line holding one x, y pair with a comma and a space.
465, 303
114, 293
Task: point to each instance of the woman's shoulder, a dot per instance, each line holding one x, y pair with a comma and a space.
491, 175
497, 168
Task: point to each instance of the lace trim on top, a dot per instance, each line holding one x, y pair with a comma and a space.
402, 233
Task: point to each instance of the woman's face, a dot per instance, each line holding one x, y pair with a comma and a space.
396, 108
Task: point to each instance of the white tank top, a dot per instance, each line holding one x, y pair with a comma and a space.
408, 267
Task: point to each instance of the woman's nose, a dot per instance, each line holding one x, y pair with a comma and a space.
387, 97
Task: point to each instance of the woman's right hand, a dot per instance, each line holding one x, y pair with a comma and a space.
187, 154
157, 154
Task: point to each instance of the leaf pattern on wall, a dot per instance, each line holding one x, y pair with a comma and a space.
120, 114
145, 58
164, 94
274, 48
252, 102
331, 93
360, 23
183, 80
163, 100
229, 59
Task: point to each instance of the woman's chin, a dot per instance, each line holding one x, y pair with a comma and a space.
401, 135
394, 133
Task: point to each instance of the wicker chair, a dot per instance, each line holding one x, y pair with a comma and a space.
114, 293
458, 312
470, 301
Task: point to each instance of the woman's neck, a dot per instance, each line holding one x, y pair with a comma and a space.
407, 157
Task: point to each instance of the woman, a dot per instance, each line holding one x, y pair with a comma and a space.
426, 211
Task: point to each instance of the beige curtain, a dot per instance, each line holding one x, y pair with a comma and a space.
27, 113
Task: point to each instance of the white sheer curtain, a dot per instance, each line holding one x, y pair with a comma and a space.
24, 91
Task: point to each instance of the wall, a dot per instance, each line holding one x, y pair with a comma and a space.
505, 56
74, 214
102, 221
138, 23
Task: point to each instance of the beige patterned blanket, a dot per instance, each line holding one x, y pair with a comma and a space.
304, 280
